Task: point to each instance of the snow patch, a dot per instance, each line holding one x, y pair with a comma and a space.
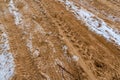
13, 10
65, 49
29, 43
35, 52
114, 18
7, 64
93, 22
75, 58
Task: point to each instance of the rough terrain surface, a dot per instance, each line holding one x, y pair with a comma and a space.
59, 40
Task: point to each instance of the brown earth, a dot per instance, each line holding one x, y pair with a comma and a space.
61, 39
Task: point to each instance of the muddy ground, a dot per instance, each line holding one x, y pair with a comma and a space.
49, 43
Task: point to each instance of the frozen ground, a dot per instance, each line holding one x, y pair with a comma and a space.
6, 58
93, 22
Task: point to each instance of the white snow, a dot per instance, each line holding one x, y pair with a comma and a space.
36, 53
65, 49
6, 66
93, 22
75, 58
6, 58
29, 43
113, 18
13, 10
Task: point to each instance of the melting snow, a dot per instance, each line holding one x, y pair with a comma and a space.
6, 59
93, 22
36, 53
75, 58
65, 49
29, 43
6, 66
13, 10
114, 18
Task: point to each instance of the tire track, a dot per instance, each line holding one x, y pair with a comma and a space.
74, 51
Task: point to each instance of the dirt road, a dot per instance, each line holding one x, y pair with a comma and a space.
60, 40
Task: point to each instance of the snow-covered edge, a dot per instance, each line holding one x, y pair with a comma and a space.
13, 10
93, 22
7, 64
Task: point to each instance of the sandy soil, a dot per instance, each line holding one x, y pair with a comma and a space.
44, 40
